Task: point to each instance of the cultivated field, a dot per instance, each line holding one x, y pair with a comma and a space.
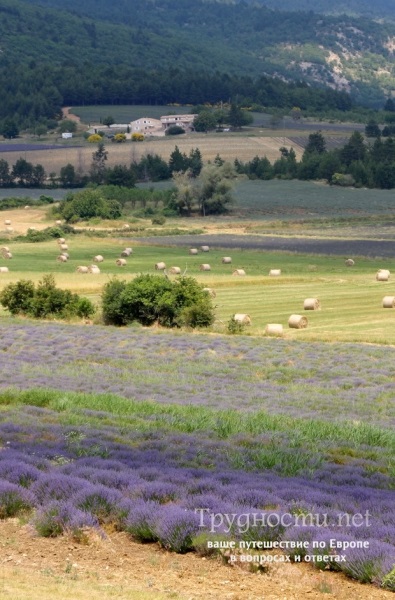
113, 436
229, 146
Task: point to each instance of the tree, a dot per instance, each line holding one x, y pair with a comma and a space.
38, 176
390, 105
5, 175
195, 162
238, 117
316, 143
40, 130
9, 129
22, 171
68, 177
355, 149
205, 121
67, 126
120, 175
98, 166
178, 161
87, 204
372, 129
109, 120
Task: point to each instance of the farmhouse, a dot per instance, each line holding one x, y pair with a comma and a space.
184, 121
147, 126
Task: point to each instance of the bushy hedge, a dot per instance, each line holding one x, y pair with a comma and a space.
24, 298
154, 298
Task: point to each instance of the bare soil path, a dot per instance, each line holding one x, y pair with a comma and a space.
34, 568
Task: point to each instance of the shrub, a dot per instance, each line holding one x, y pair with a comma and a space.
137, 137
17, 297
174, 130
119, 138
153, 298
13, 499
235, 327
95, 138
158, 220
57, 517
46, 299
88, 204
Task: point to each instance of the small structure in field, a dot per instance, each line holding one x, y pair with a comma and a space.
205, 248
175, 271
120, 262
193, 251
226, 260
274, 329
297, 322
239, 272
312, 304
82, 269
389, 302
205, 267
383, 275
210, 292
349, 262
275, 272
98, 258
160, 266
242, 318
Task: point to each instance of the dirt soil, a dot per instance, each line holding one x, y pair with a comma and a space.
120, 568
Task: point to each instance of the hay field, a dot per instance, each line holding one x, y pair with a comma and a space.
351, 298
229, 146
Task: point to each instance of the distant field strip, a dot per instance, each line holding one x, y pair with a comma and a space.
229, 147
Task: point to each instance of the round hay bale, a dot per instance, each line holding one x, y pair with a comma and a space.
62, 258
175, 271
210, 292
63, 246
127, 252
349, 262
160, 266
66, 254
205, 267
275, 272
205, 248
389, 302
193, 251
239, 272
58, 222
98, 258
82, 269
242, 318
120, 262
94, 269
297, 322
9, 229
3, 269
126, 226
5, 249
7, 255
7, 222
61, 240
275, 329
226, 260
382, 275
27, 207
312, 304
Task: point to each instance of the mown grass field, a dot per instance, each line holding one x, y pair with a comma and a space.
351, 298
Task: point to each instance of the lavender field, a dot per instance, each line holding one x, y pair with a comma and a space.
138, 429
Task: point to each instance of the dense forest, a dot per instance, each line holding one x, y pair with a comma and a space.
380, 8
59, 52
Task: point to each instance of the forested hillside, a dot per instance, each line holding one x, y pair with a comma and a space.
380, 8
189, 51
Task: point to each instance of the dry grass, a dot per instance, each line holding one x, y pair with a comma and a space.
229, 147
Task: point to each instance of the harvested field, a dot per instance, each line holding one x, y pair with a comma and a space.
229, 146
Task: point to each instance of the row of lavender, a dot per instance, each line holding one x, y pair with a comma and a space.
154, 483
348, 382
